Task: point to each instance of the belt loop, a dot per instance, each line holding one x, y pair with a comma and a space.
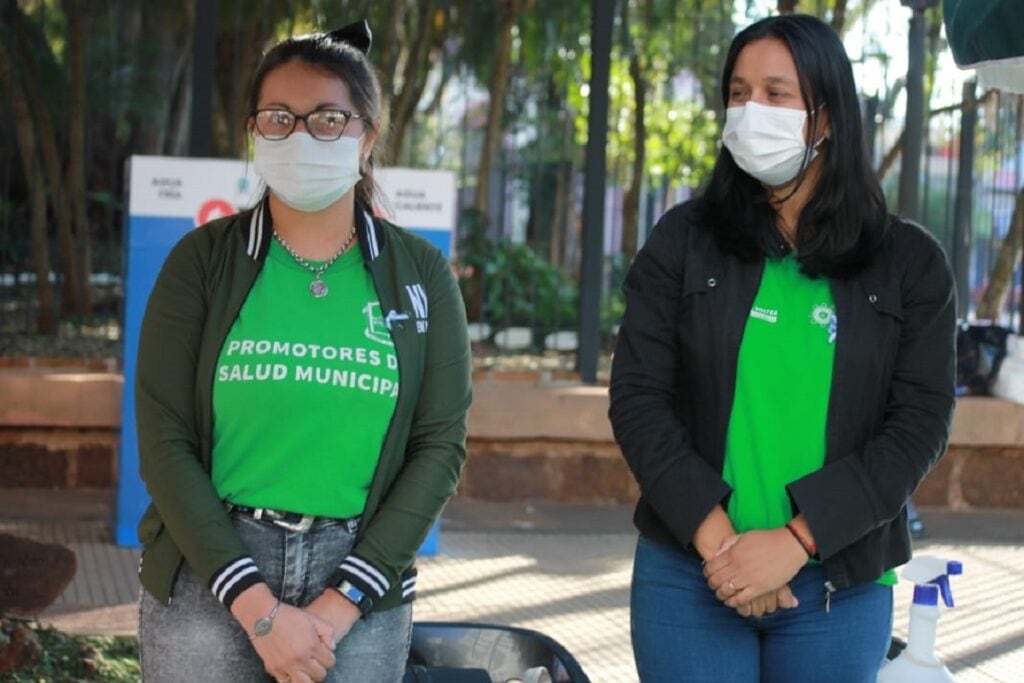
302, 526
353, 524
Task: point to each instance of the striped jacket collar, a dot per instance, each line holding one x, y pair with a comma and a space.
260, 231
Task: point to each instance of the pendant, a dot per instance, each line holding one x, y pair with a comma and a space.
318, 288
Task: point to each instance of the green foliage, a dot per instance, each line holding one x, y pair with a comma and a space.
525, 289
137, 57
680, 142
476, 47
521, 288
71, 659
510, 284
681, 127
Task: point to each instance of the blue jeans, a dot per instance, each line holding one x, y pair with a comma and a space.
196, 639
682, 633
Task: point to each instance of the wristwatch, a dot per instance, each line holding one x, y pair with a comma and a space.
264, 625
354, 595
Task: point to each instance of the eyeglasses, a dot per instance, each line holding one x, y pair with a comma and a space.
322, 124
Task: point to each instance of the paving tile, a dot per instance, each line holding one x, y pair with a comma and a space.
574, 588
556, 575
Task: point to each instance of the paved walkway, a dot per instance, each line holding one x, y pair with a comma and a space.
563, 570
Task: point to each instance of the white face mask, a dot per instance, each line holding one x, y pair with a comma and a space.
768, 142
305, 173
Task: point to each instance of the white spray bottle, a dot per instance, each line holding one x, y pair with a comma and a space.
918, 662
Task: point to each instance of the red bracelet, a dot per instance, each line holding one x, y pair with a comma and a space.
809, 548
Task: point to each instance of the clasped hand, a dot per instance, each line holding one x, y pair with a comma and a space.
298, 649
751, 571
300, 645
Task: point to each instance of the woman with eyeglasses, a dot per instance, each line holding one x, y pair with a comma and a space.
782, 382
302, 390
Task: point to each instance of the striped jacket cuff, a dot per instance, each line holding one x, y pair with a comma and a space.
364, 576
409, 585
229, 581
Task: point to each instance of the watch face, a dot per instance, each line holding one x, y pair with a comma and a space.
353, 594
263, 626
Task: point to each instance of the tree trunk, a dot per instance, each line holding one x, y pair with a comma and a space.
387, 57
237, 61
413, 78
496, 105
563, 195
175, 142
631, 199
1006, 263
787, 6
544, 174
890, 157
438, 95
77, 112
839, 17
180, 115
157, 46
555, 245
71, 298
893, 153
24, 130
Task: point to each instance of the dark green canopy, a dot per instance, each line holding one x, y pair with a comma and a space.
988, 35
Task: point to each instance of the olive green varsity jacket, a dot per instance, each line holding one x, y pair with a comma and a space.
195, 301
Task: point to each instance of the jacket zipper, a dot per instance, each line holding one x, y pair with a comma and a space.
401, 388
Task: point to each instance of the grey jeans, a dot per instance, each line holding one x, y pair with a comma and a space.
196, 639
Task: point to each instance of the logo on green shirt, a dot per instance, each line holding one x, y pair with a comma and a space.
770, 315
376, 326
824, 315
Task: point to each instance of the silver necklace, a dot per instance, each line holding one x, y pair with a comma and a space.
318, 288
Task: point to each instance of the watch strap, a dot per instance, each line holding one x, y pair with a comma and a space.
264, 625
355, 595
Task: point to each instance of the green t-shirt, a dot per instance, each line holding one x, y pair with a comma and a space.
304, 391
784, 378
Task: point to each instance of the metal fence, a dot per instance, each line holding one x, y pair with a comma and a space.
993, 172
94, 333
972, 225
518, 273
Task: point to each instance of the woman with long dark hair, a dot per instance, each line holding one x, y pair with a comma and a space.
302, 389
782, 382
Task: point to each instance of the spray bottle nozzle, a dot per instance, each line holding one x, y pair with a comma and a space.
931, 576
947, 593
953, 568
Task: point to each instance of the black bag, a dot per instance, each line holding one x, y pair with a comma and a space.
980, 350
454, 652
414, 673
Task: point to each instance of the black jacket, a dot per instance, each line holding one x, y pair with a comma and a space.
889, 414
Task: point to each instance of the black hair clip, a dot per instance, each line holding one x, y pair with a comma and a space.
356, 34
